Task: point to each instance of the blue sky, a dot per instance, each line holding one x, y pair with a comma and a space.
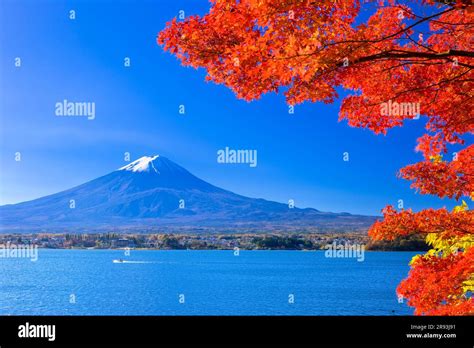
300, 156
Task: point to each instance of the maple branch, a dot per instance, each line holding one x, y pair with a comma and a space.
418, 89
413, 54
401, 31
424, 19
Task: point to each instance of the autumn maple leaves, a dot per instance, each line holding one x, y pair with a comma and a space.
387, 60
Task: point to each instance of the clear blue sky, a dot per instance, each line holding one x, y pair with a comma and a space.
299, 156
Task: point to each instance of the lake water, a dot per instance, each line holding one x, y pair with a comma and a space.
208, 282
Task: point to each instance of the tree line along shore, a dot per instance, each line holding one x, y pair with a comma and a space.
246, 241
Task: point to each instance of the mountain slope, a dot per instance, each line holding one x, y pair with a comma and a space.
152, 193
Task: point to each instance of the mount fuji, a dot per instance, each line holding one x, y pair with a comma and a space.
155, 194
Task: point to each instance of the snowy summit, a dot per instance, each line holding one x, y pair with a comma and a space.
143, 164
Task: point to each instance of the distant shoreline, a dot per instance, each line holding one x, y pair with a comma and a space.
246, 241
142, 249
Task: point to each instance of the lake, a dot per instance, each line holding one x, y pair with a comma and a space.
208, 282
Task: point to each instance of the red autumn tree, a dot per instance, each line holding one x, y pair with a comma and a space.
400, 60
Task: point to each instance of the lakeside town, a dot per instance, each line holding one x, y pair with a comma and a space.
246, 241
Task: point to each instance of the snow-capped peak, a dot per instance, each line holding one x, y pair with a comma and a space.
143, 164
